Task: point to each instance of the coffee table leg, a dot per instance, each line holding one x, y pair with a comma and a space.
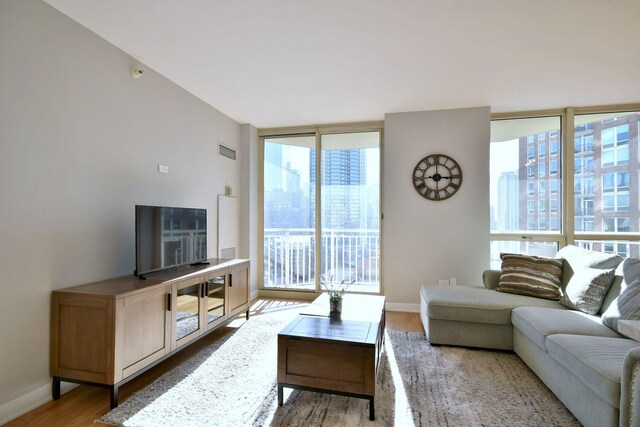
279, 395
372, 409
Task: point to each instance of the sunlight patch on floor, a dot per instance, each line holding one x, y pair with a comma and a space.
402, 411
262, 306
236, 323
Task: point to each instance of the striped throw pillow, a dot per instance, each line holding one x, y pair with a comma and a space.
531, 275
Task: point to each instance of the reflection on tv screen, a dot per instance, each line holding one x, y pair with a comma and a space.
169, 237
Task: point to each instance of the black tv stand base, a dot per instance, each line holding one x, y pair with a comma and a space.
113, 389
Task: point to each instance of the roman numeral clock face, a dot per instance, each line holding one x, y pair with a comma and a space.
437, 177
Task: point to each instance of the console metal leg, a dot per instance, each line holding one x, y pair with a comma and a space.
247, 314
55, 388
280, 395
114, 396
372, 409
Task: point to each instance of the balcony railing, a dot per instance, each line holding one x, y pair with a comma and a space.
346, 254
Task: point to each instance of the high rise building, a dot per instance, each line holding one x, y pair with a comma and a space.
606, 180
492, 218
508, 202
540, 187
273, 167
284, 203
343, 180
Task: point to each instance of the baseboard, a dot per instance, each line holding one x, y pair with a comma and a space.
30, 401
400, 306
254, 295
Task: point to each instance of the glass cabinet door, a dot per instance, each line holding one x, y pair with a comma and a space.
187, 311
214, 291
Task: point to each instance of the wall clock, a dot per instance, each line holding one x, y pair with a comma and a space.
437, 177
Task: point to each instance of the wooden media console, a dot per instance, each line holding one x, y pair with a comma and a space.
108, 332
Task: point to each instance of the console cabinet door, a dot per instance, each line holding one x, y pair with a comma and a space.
82, 331
187, 311
238, 288
143, 330
214, 291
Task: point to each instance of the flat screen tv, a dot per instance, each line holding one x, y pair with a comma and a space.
168, 238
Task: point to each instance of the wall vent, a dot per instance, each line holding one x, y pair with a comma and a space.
227, 152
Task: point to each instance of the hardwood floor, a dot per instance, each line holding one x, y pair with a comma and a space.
84, 404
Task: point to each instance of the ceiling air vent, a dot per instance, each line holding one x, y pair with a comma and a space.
226, 151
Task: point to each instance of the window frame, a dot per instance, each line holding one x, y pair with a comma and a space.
566, 143
317, 131
535, 235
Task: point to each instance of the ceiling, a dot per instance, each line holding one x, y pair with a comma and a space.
296, 62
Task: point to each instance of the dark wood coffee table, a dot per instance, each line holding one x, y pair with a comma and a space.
339, 356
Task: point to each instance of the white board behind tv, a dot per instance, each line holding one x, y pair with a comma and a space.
227, 226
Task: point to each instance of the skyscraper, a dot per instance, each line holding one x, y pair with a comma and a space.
606, 186
508, 201
343, 181
284, 202
273, 167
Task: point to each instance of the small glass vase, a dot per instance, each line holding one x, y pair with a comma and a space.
335, 307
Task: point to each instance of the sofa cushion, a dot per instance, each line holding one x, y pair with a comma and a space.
476, 304
626, 306
626, 272
596, 361
586, 289
537, 323
530, 275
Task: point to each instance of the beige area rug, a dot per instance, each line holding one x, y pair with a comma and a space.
233, 383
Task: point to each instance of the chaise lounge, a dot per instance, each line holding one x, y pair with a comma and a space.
589, 361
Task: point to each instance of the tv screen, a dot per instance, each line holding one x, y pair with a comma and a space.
169, 237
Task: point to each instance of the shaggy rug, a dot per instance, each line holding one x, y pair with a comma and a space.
233, 383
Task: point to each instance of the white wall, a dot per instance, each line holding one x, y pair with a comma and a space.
80, 143
426, 240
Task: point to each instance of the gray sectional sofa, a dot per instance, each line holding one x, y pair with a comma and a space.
590, 367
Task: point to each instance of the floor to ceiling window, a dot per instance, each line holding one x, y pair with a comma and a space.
350, 212
526, 186
597, 174
607, 212
322, 213
289, 220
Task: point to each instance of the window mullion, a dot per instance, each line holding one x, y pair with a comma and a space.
538, 237
318, 213
568, 213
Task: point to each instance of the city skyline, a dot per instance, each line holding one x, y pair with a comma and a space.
350, 196
349, 243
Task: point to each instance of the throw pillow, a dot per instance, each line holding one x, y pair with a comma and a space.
625, 307
530, 275
586, 289
626, 272
576, 258
629, 271
580, 257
